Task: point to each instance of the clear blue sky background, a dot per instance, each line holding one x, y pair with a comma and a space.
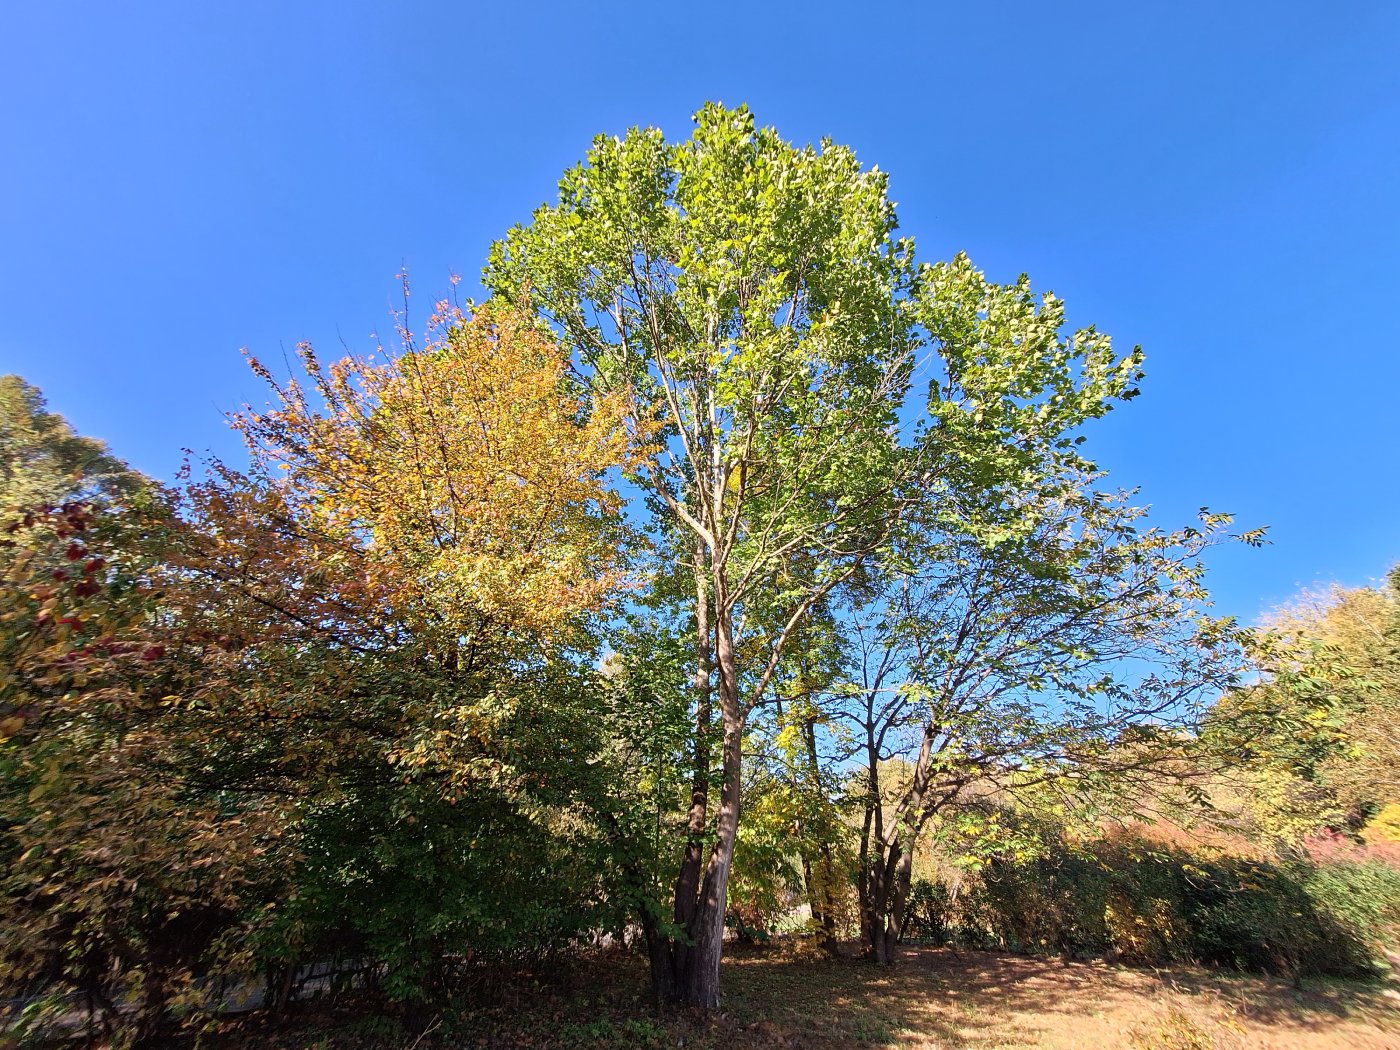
1217, 182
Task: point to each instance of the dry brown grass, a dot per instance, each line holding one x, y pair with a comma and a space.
935, 998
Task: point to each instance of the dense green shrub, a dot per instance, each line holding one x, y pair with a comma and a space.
1143, 903
423, 890
1363, 896
928, 912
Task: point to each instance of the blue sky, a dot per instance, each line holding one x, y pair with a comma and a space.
1216, 182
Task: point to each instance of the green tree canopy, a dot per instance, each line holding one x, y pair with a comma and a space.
45, 462
755, 304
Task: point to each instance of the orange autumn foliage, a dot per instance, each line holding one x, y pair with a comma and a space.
464, 484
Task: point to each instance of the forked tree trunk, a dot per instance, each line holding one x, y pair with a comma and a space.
687, 969
700, 900
699, 983
885, 899
870, 834
874, 903
897, 896
886, 889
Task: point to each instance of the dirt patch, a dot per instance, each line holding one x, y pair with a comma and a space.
988, 1001
934, 998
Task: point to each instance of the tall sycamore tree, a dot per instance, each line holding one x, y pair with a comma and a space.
755, 306
748, 296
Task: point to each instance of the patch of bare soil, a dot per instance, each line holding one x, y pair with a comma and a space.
934, 998
987, 1001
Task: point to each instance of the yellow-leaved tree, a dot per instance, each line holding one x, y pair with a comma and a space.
467, 481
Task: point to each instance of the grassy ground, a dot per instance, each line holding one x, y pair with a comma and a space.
935, 998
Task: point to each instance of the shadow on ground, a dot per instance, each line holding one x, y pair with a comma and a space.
934, 998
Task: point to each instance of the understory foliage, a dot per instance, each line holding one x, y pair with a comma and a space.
1149, 902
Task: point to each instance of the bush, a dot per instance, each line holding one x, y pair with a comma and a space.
927, 912
424, 891
1136, 901
1363, 896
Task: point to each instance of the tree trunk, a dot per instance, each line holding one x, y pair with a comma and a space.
819, 881
700, 986
659, 948
688, 879
895, 861
896, 899
686, 969
817, 878
869, 884
876, 905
